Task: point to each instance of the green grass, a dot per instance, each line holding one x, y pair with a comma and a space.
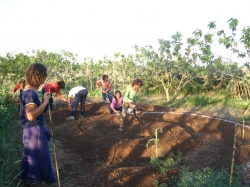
10, 142
94, 93
208, 177
214, 102
196, 100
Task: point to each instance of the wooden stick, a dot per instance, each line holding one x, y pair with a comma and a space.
234, 148
54, 147
243, 129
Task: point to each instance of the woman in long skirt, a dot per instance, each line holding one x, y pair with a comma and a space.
36, 163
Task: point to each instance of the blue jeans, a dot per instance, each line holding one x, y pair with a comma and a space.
117, 109
104, 95
80, 97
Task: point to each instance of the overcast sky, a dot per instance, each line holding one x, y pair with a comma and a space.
94, 28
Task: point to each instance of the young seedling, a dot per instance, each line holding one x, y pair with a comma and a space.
155, 141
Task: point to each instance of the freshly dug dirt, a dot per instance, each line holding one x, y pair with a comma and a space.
93, 152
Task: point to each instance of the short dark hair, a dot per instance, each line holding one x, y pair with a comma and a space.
36, 74
137, 81
61, 84
104, 76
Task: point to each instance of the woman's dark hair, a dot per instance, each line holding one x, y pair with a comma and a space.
137, 81
61, 84
117, 91
104, 77
36, 74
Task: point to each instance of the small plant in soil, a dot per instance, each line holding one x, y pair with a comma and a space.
163, 166
155, 141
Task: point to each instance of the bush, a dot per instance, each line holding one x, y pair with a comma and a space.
208, 178
10, 142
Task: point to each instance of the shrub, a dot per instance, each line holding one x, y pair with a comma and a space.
10, 142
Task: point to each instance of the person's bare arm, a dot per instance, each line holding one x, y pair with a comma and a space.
33, 112
69, 101
97, 84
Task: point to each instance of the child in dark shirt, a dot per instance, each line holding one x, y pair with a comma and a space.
36, 163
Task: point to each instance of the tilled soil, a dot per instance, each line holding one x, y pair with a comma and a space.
93, 152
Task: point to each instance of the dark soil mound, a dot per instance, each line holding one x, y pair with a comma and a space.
92, 152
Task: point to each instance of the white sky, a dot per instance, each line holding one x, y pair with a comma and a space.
94, 28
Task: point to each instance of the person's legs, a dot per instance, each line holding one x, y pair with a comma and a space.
110, 96
124, 109
121, 122
134, 111
110, 110
74, 104
123, 114
83, 94
119, 109
132, 107
104, 97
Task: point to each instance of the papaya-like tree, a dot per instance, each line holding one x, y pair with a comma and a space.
169, 68
216, 70
245, 40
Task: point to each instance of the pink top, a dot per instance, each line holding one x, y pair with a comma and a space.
116, 104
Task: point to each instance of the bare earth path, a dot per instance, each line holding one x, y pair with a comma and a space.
92, 152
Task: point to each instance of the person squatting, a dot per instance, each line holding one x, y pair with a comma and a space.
122, 104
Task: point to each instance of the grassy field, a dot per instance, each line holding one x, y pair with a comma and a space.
214, 104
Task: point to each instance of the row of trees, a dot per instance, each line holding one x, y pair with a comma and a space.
199, 65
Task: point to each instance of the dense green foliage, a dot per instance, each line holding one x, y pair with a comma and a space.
10, 142
174, 69
208, 178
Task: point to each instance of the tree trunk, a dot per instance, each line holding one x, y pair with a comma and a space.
166, 89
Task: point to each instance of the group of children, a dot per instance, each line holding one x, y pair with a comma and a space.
36, 164
78, 93
121, 104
